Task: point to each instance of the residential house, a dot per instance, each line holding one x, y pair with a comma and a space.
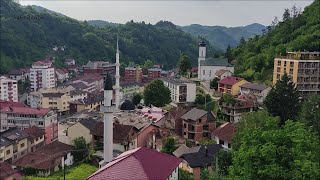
153, 73
77, 95
140, 163
82, 129
196, 158
69, 62
242, 104
181, 91
8, 89
93, 81
19, 74
62, 74
197, 124
224, 134
222, 73
7, 172
48, 159
176, 114
230, 85
156, 115
303, 68
25, 117
90, 103
36, 138
124, 136
13, 144
259, 90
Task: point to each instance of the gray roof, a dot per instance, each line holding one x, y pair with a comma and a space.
88, 123
215, 62
183, 149
79, 85
194, 114
9, 136
259, 87
52, 94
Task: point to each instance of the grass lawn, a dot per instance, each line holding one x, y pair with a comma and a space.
78, 172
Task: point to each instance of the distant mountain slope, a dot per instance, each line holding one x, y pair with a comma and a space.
26, 40
40, 8
220, 37
296, 32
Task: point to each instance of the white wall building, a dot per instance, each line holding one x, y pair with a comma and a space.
8, 89
42, 75
207, 67
181, 91
259, 90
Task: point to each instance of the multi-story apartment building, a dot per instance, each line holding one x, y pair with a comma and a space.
230, 85
36, 138
26, 117
181, 91
133, 74
8, 89
19, 74
154, 73
259, 90
242, 104
99, 67
14, 144
198, 124
42, 75
88, 82
90, 104
303, 68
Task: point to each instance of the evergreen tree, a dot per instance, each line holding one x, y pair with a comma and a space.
283, 100
157, 94
310, 113
184, 64
286, 15
228, 54
169, 145
242, 41
136, 98
214, 83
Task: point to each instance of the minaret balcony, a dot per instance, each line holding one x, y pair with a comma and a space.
107, 109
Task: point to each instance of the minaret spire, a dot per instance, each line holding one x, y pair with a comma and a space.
108, 110
117, 76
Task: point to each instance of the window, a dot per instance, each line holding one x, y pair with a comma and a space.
204, 72
8, 152
184, 125
221, 141
210, 73
199, 120
22, 145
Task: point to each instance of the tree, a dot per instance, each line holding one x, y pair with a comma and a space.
147, 64
169, 145
283, 100
136, 99
310, 113
206, 141
228, 54
184, 64
80, 145
229, 99
242, 41
157, 94
286, 15
184, 175
214, 83
264, 150
224, 159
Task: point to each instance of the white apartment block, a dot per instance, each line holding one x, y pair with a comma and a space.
42, 75
181, 91
8, 89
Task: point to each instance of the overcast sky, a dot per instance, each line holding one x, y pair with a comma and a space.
225, 13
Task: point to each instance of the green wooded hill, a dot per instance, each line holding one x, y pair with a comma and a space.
296, 31
221, 37
24, 40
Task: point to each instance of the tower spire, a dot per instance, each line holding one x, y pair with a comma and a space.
117, 76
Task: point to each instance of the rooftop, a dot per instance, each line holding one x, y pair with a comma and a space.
230, 80
52, 95
176, 81
11, 135
25, 110
220, 72
6, 170
195, 114
140, 163
11, 104
259, 87
46, 157
34, 132
215, 62
225, 132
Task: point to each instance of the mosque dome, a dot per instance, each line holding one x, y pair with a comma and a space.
127, 106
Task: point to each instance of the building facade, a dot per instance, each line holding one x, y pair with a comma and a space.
303, 68
230, 85
8, 89
99, 67
153, 73
133, 74
42, 75
259, 90
26, 117
181, 91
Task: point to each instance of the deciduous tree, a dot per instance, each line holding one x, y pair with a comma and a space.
156, 93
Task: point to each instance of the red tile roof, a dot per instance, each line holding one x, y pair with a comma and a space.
220, 72
25, 110
6, 170
139, 163
46, 157
34, 132
11, 104
230, 80
226, 131
62, 71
